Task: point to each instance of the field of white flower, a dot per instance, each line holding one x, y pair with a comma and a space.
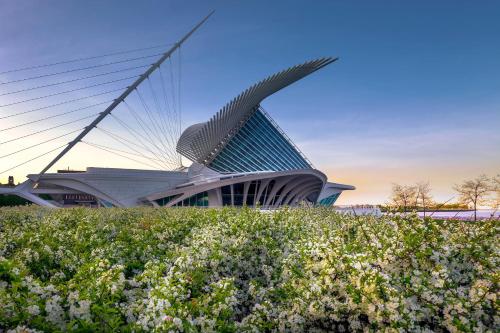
227, 270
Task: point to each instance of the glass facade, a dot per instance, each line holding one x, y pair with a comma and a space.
262, 193
252, 192
234, 195
258, 146
238, 194
266, 189
197, 200
265, 193
166, 200
226, 192
328, 201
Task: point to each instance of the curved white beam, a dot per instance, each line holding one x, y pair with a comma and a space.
316, 178
201, 140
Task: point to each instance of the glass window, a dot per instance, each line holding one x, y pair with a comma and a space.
197, 200
166, 200
226, 195
329, 201
238, 194
252, 192
258, 146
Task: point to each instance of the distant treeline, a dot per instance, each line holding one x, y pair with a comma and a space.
434, 207
12, 200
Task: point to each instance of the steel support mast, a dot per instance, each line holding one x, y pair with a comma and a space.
122, 97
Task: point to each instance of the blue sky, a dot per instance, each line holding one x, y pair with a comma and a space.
415, 95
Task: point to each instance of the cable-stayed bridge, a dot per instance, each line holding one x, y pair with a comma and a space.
122, 106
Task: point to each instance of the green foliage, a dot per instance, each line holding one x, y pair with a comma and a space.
228, 270
12, 200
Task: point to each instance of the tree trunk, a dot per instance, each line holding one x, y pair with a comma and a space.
423, 204
475, 211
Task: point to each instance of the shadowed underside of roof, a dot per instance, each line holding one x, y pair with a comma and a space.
202, 142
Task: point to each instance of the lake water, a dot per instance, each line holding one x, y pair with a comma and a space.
481, 214
461, 215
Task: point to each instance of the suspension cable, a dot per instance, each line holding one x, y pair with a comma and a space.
169, 114
82, 68
163, 123
165, 95
41, 143
137, 136
179, 89
161, 135
68, 91
143, 124
154, 124
174, 103
82, 59
124, 141
121, 139
54, 116
62, 103
48, 129
34, 158
124, 156
123, 151
161, 129
74, 80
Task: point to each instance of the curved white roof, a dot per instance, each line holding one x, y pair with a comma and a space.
201, 140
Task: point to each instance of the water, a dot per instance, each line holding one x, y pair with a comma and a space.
463, 215
460, 215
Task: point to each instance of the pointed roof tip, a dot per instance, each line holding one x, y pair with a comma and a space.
330, 59
319, 62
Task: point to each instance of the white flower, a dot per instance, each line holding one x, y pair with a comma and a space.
23, 329
80, 309
289, 271
177, 322
33, 310
55, 312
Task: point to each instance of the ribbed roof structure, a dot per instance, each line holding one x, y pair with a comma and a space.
201, 142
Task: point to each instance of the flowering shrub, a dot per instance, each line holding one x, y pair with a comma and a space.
227, 270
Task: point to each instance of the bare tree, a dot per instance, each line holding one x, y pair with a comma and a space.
474, 192
403, 196
423, 195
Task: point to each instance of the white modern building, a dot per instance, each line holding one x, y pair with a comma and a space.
240, 157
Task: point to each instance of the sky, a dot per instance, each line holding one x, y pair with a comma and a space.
414, 96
